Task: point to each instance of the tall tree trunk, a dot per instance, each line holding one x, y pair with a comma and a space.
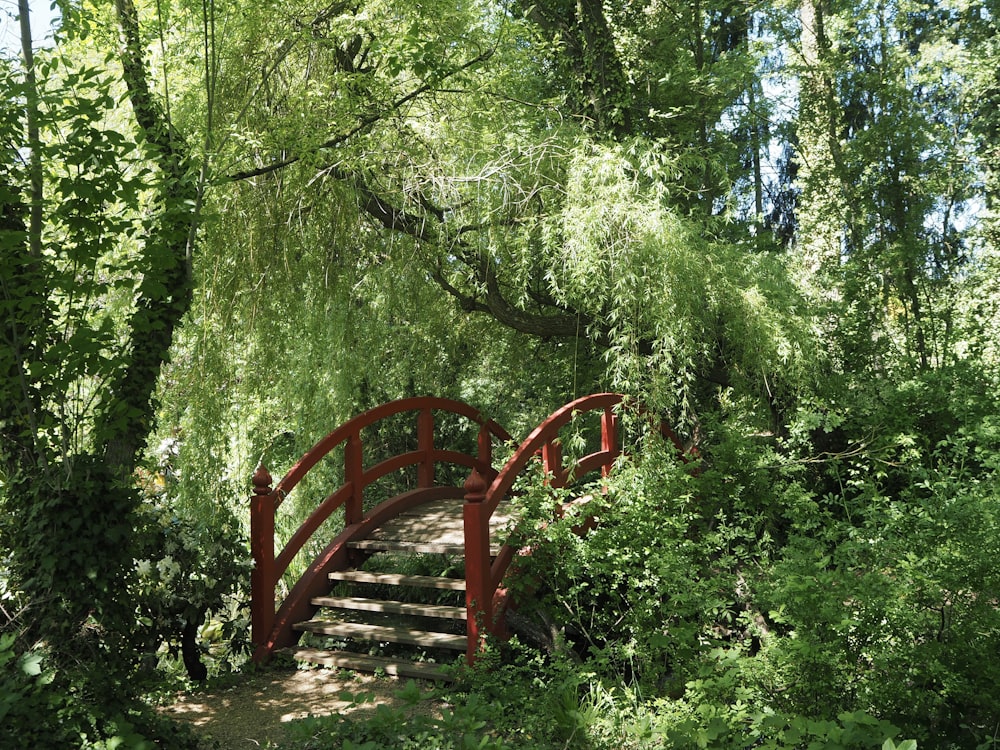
598, 79
823, 215
165, 293
24, 309
755, 146
34, 142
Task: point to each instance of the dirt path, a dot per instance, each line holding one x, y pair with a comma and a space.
259, 708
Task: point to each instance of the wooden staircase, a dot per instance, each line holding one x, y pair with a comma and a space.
372, 607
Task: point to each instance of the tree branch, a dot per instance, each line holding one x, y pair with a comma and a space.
363, 125
564, 325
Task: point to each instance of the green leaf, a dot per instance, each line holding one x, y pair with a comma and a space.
31, 664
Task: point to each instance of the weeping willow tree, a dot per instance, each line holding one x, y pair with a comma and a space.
409, 199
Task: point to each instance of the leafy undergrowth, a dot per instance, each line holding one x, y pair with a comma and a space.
772, 599
545, 704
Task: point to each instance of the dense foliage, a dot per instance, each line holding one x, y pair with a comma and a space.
226, 227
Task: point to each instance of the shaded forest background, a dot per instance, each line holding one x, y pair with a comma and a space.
227, 227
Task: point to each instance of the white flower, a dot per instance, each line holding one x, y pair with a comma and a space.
168, 568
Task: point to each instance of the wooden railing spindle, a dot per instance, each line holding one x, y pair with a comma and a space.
425, 444
609, 436
354, 474
484, 442
552, 462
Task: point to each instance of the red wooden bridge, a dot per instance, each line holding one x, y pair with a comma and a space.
468, 522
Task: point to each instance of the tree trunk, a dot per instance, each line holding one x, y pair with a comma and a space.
34, 142
823, 215
165, 294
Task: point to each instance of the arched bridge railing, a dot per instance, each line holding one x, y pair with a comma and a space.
485, 596
270, 629
483, 491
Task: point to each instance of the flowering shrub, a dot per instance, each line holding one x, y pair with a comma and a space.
187, 572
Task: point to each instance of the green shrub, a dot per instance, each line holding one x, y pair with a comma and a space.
883, 599
652, 582
31, 710
189, 589
40, 708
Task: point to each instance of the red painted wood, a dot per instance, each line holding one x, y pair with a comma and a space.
538, 438
354, 475
376, 472
478, 584
425, 446
484, 442
298, 606
265, 501
602, 460
483, 491
336, 438
544, 438
463, 459
304, 533
609, 435
552, 463
262, 577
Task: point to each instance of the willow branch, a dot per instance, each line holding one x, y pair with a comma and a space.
363, 125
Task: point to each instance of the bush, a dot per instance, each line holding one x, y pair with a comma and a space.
41, 708
652, 582
884, 597
188, 572
26, 696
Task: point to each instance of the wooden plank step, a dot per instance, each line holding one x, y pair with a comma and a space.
389, 633
367, 663
391, 607
432, 548
398, 579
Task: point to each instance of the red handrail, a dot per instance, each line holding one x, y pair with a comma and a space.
269, 568
484, 489
483, 579
485, 598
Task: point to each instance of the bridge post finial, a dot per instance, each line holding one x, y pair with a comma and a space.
475, 487
261, 480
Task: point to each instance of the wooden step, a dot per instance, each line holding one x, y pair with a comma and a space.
397, 579
396, 545
367, 663
389, 633
391, 607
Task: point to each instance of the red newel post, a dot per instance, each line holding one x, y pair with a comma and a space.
262, 550
478, 581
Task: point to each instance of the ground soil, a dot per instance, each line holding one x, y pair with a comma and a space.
257, 710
